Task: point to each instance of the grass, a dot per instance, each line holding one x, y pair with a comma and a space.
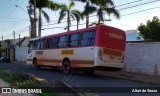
22, 80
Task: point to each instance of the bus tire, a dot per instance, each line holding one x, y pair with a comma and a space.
35, 64
89, 71
66, 67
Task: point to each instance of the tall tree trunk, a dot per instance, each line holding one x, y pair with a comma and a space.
35, 21
99, 21
99, 18
31, 27
87, 21
40, 22
77, 25
68, 21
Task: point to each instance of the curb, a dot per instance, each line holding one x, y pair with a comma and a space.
131, 76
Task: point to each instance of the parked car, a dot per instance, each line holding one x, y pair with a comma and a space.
4, 59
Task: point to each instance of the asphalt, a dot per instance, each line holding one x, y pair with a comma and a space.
123, 75
99, 80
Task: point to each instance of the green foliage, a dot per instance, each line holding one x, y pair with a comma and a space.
101, 7
23, 80
150, 31
41, 4
70, 13
18, 79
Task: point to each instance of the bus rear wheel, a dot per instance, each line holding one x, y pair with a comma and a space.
66, 67
35, 64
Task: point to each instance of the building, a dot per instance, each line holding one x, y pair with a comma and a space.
133, 36
7, 47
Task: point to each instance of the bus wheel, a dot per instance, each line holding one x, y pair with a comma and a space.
35, 64
66, 67
89, 71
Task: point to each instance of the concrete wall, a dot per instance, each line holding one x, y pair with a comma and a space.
21, 53
143, 58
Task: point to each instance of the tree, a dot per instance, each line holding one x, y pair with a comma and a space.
88, 9
41, 4
30, 12
71, 13
150, 31
105, 7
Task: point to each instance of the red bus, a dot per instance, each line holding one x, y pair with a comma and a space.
87, 49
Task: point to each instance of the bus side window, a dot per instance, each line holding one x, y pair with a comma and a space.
44, 43
63, 41
36, 44
53, 42
30, 45
88, 38
92, 37
74, 40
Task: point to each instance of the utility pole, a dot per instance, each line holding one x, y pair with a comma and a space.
2, 38
19, 40
14, 38
2, 42
35, 19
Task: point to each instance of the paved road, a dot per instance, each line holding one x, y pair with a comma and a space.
80, 80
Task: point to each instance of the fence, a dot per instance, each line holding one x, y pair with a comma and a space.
21, 53
143, 58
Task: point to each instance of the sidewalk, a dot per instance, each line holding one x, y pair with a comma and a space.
131, 76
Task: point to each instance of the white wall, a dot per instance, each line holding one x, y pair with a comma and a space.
21, 53
143, 58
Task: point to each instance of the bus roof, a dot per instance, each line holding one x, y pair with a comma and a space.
80, 30
35, 38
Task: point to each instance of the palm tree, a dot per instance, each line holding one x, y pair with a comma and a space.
88, 9
40, 4
102, 7
71, 13
105, 7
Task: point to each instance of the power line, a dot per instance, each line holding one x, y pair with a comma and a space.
22, 29
139, 5
15, 18
95, 15
9, 7
115, 6
22, 2
129, 3
5, 5
141, 11
112, 18
11, 21
118, 9
19, 31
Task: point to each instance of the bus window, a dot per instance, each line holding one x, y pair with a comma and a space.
63, 40
44, 43
88, 38
53, 42
30, 45
74, 40
36, 44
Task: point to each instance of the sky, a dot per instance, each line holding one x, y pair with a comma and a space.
16, 19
